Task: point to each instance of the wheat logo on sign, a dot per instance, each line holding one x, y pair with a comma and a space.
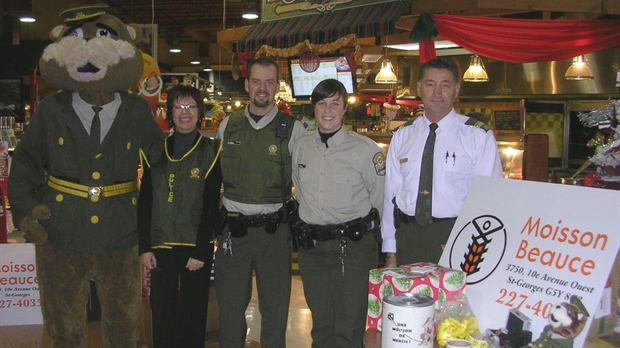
479, 247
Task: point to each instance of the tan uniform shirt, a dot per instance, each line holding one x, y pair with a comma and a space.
338, 183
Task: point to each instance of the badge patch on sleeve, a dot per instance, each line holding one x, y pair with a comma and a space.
379, 161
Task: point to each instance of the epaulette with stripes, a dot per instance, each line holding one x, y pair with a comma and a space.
476, 123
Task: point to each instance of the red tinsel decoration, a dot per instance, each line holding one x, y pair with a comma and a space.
592, 180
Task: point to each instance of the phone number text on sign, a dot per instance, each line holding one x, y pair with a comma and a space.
20, 303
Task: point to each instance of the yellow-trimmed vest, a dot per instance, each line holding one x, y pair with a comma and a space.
252, 160
177, 209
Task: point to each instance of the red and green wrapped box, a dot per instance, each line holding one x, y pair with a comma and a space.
423, 278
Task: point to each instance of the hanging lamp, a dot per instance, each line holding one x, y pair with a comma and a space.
579, 70
476, 71
386, 75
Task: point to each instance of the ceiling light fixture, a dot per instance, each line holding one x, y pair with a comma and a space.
207, 67
195, 62
579, 70
386, 75
249, 11
27, 19
175, 50
476, 71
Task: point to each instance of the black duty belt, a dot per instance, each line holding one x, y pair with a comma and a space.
354, 229
261, 220
238, 223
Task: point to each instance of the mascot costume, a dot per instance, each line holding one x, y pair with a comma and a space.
73, 185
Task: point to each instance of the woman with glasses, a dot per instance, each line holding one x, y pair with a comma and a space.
178, 212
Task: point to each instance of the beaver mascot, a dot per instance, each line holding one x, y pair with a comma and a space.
566, 321
73, 184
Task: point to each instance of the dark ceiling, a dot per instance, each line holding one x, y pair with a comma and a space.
197, 22
179, 22
183, 20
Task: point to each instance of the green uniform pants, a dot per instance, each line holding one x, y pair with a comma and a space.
415, 243
270, 257
338, 300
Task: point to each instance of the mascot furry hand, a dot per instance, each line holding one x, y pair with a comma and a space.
566, 321
33, 231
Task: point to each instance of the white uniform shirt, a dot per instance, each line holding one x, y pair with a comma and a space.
253, 209
339, 183
461, 153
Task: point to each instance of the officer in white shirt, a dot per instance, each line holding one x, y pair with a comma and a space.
464, 148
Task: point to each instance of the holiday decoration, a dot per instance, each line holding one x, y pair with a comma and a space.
607, 143
309, 61
217, 111
391, 108
285, 107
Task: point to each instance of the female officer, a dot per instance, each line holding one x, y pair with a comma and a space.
339, 178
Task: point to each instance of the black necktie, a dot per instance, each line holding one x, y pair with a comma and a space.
95, 126
424, 203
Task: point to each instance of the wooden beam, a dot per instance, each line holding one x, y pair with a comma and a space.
611, 7
226, 38
450, 6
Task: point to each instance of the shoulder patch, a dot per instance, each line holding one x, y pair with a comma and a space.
379, 161
473, 122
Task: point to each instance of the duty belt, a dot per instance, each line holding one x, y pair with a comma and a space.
92, 191
354, 229
238, 223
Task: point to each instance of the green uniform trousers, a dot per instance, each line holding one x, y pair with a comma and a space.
338, 300
270, 257
415, 243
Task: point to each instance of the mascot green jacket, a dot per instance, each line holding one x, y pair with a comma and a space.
73, 184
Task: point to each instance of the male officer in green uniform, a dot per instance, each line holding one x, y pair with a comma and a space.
256, 171
73, 183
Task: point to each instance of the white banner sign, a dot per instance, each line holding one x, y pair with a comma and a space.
530, 245
19, 288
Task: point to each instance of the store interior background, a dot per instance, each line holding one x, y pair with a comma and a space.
206, 31
202, 29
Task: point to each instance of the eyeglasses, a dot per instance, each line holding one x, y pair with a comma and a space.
180, 107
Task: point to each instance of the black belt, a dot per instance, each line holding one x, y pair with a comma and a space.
260, 220
408, 218
238, 223
354, 229
399, 216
